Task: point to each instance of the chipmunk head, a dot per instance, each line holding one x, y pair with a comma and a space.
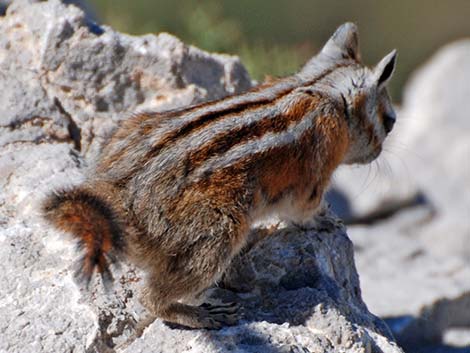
361, 90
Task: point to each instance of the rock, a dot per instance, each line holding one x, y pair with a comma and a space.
421, 295
415, 262
100, 78
65, 87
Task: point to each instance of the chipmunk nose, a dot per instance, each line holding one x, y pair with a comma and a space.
389, 121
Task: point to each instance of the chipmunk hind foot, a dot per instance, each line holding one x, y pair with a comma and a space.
205, 316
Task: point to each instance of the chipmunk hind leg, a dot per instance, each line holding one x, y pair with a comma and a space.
199, 317
194, 265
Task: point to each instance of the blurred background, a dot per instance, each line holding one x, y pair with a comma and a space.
275, 37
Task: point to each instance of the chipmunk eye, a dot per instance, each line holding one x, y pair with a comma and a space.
388, 121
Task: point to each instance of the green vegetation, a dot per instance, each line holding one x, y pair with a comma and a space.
274, 37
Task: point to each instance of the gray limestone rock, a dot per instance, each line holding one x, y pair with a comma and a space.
65, 86
95, 79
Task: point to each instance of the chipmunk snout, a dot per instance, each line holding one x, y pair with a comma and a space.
389, 121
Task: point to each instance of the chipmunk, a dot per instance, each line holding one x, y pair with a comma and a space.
176, 192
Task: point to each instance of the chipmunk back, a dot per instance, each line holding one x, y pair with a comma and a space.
177, 192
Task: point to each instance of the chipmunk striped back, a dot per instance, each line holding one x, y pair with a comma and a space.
190, 182
178, 148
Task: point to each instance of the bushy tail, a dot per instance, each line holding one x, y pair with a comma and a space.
94, 224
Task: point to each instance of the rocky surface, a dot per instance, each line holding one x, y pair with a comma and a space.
300, 293
66, 83
413, 246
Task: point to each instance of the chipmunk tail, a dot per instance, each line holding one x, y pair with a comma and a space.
94, 224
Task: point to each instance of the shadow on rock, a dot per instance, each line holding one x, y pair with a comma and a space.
425, 333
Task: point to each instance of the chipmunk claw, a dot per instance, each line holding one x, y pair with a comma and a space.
219, 315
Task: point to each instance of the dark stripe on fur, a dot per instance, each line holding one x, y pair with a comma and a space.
212, 116
257, 97
223, 142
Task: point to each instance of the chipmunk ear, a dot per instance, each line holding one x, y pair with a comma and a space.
343, 44
385, 68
